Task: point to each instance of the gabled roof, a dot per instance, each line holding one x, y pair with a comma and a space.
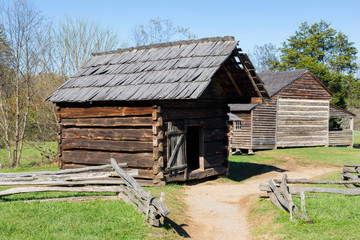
275, 81
233, 117
242, 107
176, 70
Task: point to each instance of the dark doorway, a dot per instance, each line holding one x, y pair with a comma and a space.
193, 147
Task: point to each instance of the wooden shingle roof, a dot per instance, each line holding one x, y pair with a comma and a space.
275, 81
176, 70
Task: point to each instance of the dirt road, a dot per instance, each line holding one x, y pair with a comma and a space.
219, 210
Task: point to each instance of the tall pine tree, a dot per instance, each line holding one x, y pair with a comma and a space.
327, 53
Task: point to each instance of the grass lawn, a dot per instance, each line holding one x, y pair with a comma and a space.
243, 167
356, 137
99, 219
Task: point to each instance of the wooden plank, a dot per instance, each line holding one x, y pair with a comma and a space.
142, 160
197, 174
131, 183
214, 148
91, 112
172, 114
89, 189
109, 134
175, 151
107, 145
63, 183
108, 122
214, 161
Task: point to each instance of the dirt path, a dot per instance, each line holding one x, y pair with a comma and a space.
219, 211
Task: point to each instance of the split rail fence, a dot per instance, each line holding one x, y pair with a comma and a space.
280, 193
98, 179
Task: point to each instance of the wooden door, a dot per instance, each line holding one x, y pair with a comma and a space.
176, 148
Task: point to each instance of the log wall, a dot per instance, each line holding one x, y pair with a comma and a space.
264, 125
93, 135
341, 137
242, 138
302, 122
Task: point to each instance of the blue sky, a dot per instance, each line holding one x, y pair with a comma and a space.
253, 22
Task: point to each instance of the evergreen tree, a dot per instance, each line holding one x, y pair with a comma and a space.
327, 53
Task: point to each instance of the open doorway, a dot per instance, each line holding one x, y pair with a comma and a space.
194, 147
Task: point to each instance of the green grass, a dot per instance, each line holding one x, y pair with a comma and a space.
31, 156
97, 219
333, 215
72, 220
356, 137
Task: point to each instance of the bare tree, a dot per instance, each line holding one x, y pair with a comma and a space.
27, 33
263, 56
159, 30
77, 39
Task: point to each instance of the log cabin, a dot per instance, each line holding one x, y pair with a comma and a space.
160, 108
296, 116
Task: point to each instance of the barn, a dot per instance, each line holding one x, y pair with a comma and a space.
296, 116
161, 108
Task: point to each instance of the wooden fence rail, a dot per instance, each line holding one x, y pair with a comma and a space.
98, 179
281, 194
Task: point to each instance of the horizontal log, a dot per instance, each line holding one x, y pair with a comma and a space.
214, 148
298, 113
74, 199
197, 174
297, 190
107, 145
64, 183
63, 177
301, 108
301, 144
108, 122
351, 165
217, 134
89, 189
214, 161
207, 123
142, 160
172, 114
91, 112
307, 181
109, 134
62, 172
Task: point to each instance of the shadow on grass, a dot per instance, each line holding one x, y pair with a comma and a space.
240, 171
170, 224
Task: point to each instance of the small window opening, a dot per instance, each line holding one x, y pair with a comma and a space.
237, 125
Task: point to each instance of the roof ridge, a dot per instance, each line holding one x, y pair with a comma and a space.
168, 44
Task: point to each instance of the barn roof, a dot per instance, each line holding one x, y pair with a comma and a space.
242, 107
175, 70
275, 81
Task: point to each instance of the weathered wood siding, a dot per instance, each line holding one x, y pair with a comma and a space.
93, 135
305, 87
302, 122
242, 138
341, 137
264, 125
